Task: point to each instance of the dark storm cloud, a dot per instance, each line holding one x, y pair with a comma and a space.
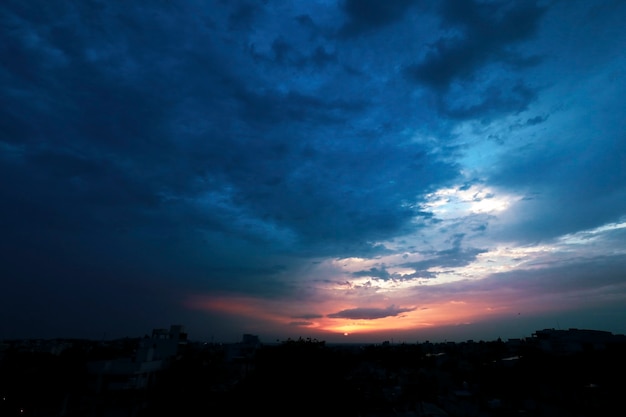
243, 14
285, 53
121, 125
481, 32
512, 97
367, 15
275, 107
471, 69
53, 192
369, 313
326, 194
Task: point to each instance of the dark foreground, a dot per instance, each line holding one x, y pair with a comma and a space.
529, 377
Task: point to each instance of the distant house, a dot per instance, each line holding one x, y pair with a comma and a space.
571, 340
139, 370
163, 345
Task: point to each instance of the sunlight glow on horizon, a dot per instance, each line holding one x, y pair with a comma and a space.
352, 289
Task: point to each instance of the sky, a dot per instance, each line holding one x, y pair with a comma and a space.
347, 170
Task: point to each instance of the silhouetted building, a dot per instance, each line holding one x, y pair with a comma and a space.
139, 370
571, 340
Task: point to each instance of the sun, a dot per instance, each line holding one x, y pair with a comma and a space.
346, 334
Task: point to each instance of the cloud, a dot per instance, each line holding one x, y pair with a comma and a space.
267, 151
455, 257
471, 68
301, 323
553, 286
493, 100
244, 14
367, 15
573, 187
285, 53
172, 131
369, 313
531, 121
308, 316
482, 33
381, 273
